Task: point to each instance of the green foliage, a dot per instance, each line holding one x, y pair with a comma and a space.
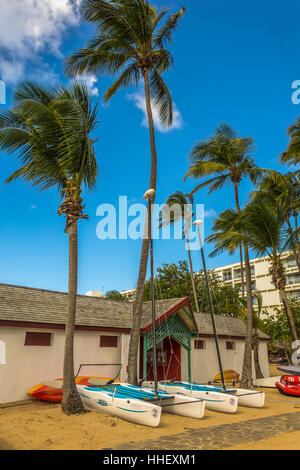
116, 295
276, 326
224, 155
50, 131
174, 281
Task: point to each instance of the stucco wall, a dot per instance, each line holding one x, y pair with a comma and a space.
26, 366
204, 362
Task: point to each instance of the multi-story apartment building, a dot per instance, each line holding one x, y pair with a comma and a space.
261, 279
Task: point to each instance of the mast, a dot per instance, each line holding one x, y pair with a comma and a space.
198, 223
150, 196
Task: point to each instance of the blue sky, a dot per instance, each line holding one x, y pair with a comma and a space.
235, 62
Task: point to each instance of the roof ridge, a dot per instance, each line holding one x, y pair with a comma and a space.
60, 292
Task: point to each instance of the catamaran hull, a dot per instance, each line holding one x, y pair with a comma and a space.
184, 406
133, 410
250, 398
180, 404
224, 403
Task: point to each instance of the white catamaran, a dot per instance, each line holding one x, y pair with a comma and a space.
133, 403
216, 398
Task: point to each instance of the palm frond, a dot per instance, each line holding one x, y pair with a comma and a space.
161, 99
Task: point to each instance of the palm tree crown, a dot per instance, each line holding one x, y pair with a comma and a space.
224, 155
50, 131
292, 154
130, 41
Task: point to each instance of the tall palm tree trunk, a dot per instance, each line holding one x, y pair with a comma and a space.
255, 341
246, 378
71, 402
242, 272
135, 331
289, 314
192, 275
294, 245
277, 272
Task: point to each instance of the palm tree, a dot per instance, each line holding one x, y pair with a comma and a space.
50, 132
258, 324
116, 295
130, 41
228, 157
285, 189
291, 155
180, 207
266, 233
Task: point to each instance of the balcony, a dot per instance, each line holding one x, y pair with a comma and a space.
237, 273
253, 286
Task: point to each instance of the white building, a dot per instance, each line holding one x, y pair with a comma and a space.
32, 324
261, 279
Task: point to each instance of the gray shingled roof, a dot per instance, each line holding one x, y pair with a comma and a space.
26, 304
225, 325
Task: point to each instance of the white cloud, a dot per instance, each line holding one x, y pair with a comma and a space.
210, 213
89, 81
29, 28
11, 71
140, 103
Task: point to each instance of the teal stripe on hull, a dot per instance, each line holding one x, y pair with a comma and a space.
126, 392
132, 411
196, 387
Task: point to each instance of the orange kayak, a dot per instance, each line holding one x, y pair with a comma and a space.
46, 393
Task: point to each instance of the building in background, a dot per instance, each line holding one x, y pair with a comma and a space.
261, 279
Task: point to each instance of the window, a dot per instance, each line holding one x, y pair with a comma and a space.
294, 294
36, 338
230, 345
227, 276
237, 274
289, 262
293, 279
199, 344
108, 341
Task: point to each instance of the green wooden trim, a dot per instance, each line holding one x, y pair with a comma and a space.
173, 326
145, 357
189, 366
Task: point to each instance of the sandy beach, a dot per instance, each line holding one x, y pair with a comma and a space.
36, 425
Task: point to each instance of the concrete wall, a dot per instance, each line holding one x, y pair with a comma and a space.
26, 366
